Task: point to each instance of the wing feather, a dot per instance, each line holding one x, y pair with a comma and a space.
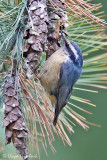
69, 74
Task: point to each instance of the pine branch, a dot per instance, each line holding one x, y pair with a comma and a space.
1, 147
43, 34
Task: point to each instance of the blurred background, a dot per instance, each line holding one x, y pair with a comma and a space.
86, 145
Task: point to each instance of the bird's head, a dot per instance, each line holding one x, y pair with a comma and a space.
71, 49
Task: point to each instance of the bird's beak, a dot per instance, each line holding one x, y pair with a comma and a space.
63, 39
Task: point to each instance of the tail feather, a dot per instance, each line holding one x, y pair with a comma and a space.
55, 120
56, 115
57, 112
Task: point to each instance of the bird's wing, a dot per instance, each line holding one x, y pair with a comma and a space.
67, 78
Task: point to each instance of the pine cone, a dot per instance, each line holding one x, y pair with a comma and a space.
15, 127
56, 17
36, 35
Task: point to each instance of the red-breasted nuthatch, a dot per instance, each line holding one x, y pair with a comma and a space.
59, 74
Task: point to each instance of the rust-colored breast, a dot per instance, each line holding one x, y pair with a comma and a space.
49, 75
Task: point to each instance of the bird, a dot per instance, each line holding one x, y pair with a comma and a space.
60, 73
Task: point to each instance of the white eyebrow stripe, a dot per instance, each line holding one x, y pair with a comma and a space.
74, 51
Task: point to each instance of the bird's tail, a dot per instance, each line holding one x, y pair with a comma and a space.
56, 115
